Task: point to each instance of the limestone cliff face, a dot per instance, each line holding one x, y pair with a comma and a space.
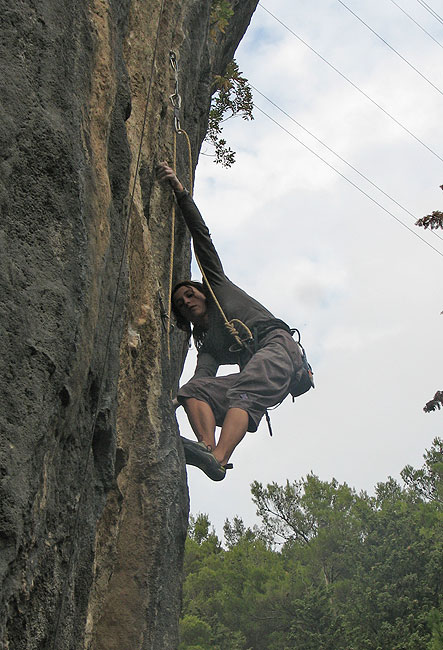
93, 500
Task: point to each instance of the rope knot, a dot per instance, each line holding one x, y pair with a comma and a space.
241, 340
232, 329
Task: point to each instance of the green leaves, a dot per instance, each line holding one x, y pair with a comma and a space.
327, 569
195, 634
435, 621
232, 97
221, 14
427, 483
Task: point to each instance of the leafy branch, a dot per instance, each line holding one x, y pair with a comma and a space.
232, 97
433, 220
435, 403
232, 94
221, 14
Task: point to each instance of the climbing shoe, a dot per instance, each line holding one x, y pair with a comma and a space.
201, 456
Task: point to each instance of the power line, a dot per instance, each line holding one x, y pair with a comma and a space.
433, 13
362, 92
417, 23
391, 48
348, 180
339, 157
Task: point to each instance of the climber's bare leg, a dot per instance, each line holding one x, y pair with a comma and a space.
202, 420
233, 431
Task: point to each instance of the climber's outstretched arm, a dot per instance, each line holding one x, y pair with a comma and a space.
203, 244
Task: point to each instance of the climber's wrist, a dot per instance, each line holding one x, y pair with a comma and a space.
179, 194
176, 185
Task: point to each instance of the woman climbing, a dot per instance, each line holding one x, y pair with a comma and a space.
271, 363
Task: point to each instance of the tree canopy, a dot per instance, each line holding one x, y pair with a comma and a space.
327, 568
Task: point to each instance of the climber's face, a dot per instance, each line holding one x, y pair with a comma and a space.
191, 303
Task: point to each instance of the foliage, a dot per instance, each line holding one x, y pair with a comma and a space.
221, 14
427, 482
432, 221
231, 93
435, 620
435, 403
327, 569
232, 97
194, 633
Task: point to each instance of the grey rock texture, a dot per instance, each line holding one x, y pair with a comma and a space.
93, 494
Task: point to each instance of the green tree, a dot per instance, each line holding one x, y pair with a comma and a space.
397, 574
327, 569
427, 482
195, 634
233, 590
324, 518
435, 620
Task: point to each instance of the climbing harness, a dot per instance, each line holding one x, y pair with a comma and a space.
85, 483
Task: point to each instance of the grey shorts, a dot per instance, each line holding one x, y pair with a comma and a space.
263, 382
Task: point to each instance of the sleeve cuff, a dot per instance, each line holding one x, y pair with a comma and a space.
181, 195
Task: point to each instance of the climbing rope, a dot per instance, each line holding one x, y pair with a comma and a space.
235, 325
84, 483
176, 101
229, 324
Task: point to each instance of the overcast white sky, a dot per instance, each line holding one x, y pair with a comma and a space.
365, 293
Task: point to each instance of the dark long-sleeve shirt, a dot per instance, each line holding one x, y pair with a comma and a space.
235, 302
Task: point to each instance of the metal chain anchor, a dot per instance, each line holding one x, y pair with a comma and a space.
175, 98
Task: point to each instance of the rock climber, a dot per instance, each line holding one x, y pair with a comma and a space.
272, 364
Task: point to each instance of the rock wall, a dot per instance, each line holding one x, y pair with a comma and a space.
93, 494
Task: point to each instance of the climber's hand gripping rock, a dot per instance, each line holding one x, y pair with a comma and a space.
167, 174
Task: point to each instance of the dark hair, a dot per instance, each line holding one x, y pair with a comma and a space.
198, 333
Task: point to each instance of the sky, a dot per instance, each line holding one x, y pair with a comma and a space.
364, 291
